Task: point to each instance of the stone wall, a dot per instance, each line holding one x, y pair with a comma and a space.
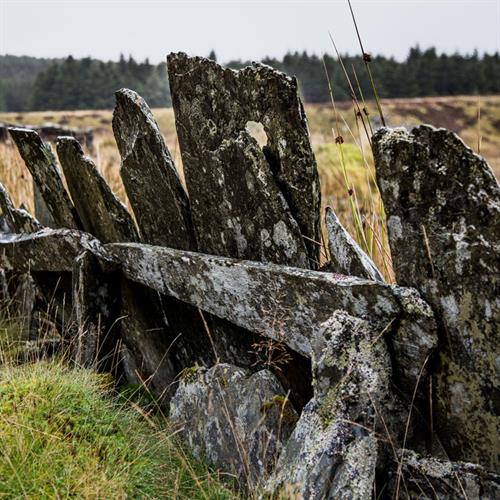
297, 381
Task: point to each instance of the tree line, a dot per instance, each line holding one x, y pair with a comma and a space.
56, 84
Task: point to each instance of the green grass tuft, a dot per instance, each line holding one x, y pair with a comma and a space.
63, 434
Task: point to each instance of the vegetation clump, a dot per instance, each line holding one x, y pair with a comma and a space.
64, 434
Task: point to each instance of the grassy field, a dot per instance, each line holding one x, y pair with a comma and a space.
347, 186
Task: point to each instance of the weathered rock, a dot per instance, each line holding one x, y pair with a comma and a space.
346, 256
213, 105
42, 165
147, 341
99, 210
162, 209
413, 341
430, 478
42, 212
95, 305
443, 208
253, 295
153, 187
24, 301
236, 420
334, 448
50, 250
17, 219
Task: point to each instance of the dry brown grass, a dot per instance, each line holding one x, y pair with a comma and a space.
456, 113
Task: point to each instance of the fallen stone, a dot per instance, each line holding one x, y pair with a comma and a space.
346, 256
213, 105
443, 215
236, 420
50, 250
99, 210
415, 476
42, 165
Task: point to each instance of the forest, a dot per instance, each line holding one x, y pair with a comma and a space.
30, 84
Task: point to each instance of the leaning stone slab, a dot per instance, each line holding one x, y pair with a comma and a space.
346, 256
99, 210
159, 201
50, 250
443, 211
212, 105
415, 476
250, 294
163, 213
42, 165
334, 449
18, 220
236, 420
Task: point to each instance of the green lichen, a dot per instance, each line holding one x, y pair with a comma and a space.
190, 374
284, 407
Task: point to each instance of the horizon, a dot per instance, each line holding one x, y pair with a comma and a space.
106, 29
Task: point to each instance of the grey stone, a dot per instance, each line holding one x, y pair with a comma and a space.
252, 294
148, 342
50, 250
162, 209
334, 449
95, 308
236, 420
429, 478
42, 212
346, 256
18, 220
153, 187
213, 105
42, 165
99, 210
443, 214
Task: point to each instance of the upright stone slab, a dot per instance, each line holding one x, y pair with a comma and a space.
346, 256
42, 165
443, 215
42, 213
159, 201
95, 303
99, 210
213, 105
334, 449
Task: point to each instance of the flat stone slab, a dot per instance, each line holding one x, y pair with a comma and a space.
153, 187
249, 294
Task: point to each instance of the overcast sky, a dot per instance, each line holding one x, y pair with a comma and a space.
240, 29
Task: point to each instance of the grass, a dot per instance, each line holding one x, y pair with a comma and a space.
65, 433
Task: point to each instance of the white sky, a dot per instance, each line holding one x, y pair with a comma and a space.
241, 29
